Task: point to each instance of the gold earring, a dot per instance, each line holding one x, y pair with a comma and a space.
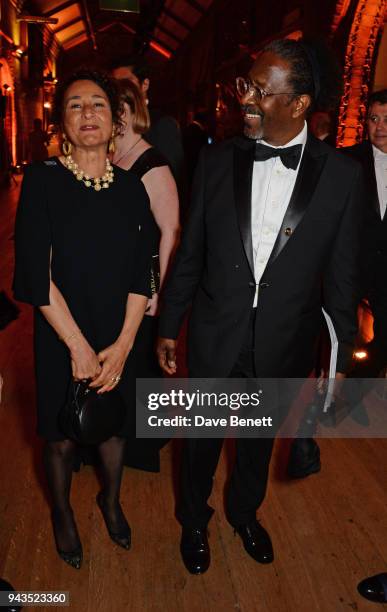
67, 147
112, 146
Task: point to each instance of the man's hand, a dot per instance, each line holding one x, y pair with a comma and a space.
340, 376
166, 352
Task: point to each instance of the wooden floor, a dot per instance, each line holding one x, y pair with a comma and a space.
329, 531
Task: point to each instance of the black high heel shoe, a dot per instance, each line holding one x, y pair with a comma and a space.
73, 557
123, 537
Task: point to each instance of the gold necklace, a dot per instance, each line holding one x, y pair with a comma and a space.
97, 183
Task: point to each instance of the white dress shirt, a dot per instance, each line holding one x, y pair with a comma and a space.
380, 160
271, 191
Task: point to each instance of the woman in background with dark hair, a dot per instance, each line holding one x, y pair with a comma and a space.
135, 154
83, 255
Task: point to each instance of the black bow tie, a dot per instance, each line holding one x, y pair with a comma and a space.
290, 156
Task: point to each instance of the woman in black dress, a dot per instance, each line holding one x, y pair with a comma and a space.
83, 255
133, 153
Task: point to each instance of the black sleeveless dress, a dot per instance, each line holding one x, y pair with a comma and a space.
143, 454
100, 247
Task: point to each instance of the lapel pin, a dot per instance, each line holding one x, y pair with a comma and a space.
288, 231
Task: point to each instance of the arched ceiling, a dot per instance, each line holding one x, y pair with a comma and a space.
161, 24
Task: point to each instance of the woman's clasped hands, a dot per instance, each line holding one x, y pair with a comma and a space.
103, 369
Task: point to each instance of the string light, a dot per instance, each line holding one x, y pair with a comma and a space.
361, 355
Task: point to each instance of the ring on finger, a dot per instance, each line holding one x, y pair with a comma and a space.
116, 379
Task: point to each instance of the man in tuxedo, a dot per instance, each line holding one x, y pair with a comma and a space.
164, 132
372, 154
271, 238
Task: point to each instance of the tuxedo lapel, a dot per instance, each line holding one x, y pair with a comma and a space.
243, 178
312, 163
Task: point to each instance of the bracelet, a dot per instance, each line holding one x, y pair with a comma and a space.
67, 338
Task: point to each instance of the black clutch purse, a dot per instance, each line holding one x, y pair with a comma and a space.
89, 417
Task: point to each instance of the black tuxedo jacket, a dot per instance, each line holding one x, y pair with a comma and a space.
313, 264
374, 230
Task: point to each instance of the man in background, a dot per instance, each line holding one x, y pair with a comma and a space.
304, 457
320, 124
372, 154
195, 137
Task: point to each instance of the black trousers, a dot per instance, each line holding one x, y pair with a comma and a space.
378, 346
249, 475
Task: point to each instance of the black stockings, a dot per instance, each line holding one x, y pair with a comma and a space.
59, 461
111, 455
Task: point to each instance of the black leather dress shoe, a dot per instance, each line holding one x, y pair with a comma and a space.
256, 541
374, 588
304, 458
195, 550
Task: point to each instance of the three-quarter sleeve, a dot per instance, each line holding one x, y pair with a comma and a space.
31, 282
145, 247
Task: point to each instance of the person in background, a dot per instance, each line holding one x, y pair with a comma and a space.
82, 258
372, 154
134, 153
164, 132
320, 124
37, 142
195, 137
304, 457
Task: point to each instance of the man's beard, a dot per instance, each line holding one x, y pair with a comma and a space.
253, 119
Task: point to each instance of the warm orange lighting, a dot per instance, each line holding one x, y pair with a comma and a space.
7, 38
296, 35
47, 105
37, 19
360, 355
10, 123
367, 23
341, 10
159, 49
18, 53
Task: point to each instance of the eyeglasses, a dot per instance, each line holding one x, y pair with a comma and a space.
245, 86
